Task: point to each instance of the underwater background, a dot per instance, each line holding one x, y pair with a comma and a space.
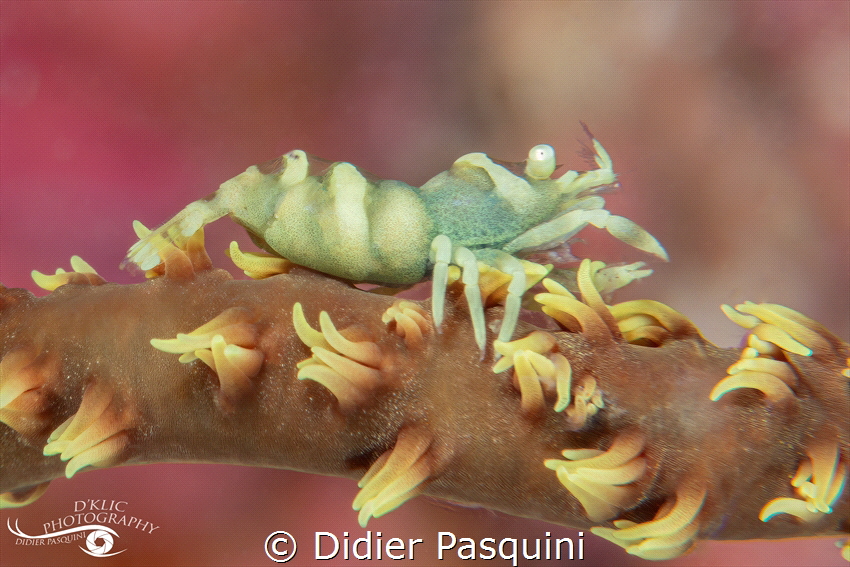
729, 124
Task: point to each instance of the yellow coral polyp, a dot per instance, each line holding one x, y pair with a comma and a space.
765, 324
411, 322
537, 341
227, 344
258, 265
772, 387
775, 333
81, 272
650, 323
603, 495
670, 534
395, 477
349, 369
819, 481
96, 435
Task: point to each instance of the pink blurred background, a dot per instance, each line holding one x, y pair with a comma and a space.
728, 122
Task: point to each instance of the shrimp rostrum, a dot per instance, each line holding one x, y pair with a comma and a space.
480, 213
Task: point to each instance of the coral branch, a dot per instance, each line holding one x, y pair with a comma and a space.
615, 418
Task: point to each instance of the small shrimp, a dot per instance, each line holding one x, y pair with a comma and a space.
337, 219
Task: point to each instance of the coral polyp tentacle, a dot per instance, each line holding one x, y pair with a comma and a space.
529, 375
82, 273
257, 265
819, 483
227, 344
18, 375
410, 322
669, 535
762, 322
651, 323
624, 448
95, 401
802, 329
366, 353
349, 395
235, 366
540, 372
396, 477
234, 325
776, 368
828, 477
308, 335
772, 387
599, 479
537, 341
25, 373
574, 315
354, 371
586, 402
349, 369
493, 294
777, 334
590, 316
763, 365
779, 337
564, 382
97, 435
792, 506
590, 296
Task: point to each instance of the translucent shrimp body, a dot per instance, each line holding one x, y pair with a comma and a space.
334, 218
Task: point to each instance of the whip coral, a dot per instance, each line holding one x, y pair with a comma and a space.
619, 419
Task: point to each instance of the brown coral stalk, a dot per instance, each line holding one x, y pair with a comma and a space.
620, 420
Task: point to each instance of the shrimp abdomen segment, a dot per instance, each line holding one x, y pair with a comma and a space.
353, 228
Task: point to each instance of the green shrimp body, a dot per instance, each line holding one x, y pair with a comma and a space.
334, 218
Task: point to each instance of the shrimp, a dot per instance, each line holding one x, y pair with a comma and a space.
340, 220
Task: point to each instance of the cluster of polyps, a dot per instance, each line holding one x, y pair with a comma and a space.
350, 369
778, 335
227, 344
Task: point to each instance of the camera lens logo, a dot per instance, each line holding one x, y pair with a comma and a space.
99, 542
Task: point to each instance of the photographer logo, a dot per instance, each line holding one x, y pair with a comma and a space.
93, 524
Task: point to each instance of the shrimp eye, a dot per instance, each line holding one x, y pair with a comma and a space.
541, 162
295, 167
